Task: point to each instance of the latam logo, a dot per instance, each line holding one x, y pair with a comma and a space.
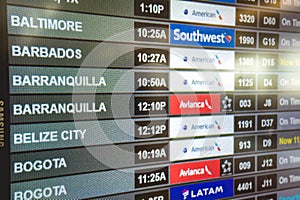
208, 190
194, 104
202, 36
202, 192
194, 171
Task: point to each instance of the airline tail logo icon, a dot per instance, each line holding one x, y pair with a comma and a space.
218, 125
218, 59
228, 38
217, 80
218, 147
219, 14
185, 193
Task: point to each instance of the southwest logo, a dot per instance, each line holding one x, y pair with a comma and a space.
228, 38
202, 36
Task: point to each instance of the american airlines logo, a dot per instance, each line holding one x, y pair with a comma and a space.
204, 14
218, 59
219, 15
191, 11
218, 125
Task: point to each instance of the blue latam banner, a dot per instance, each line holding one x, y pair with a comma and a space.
207, 190
202, 36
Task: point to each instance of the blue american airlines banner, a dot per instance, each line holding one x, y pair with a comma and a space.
202, 36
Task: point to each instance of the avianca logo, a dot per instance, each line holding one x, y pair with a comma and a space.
198, 104
197, 36
195, 172
194, 104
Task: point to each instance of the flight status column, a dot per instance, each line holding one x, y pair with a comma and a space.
152, 99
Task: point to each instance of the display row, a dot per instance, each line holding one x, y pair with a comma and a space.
150, 9
67, 187
36, 51
91, 27
45, 164
34, 137
163, 194
51, 108
34, 80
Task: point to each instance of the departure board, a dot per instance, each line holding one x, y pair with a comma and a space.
150, 99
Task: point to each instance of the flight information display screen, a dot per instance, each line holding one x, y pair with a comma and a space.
150, 99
